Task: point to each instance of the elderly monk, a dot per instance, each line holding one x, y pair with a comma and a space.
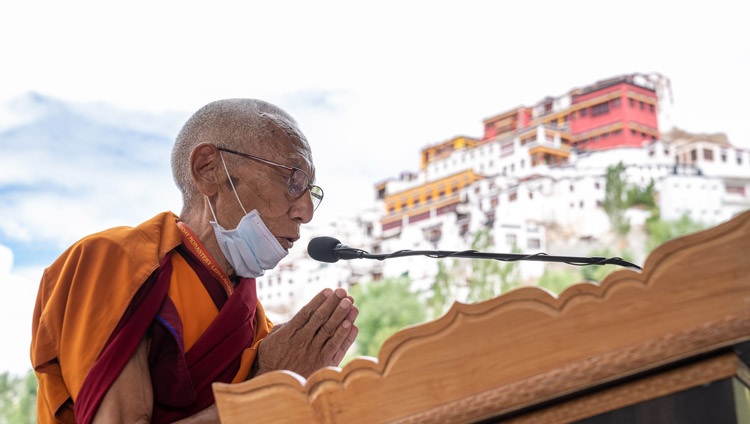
135, 324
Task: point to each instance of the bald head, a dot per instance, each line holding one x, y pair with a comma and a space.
247, 125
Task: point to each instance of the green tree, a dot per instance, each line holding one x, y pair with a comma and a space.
661, 231
616, 199
596, 273
558, 280
385, 307
442, 289
644, 197
18, 398
490, 278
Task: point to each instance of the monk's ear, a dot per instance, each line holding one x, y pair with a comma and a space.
206, 168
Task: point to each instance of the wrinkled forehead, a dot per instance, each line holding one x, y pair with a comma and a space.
293, 149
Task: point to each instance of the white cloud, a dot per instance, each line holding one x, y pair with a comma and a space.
17, 298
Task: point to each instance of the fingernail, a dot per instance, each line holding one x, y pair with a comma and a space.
345, 303
327, 292
340, 292
346, 324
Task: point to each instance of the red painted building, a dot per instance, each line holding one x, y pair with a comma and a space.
613, 113
620, 111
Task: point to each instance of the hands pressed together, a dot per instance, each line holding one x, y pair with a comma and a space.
318, 336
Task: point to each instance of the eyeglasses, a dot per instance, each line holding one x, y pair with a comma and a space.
298, 182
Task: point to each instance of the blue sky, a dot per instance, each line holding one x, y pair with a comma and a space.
92, 95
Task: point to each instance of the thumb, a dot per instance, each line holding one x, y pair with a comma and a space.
275, 328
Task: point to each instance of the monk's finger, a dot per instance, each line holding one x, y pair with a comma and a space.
353, 313
329, 328
331, 347
321, 315
350, 338
303, 316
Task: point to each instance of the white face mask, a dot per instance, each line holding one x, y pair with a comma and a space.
250, 248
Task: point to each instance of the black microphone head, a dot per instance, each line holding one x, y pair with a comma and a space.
321, 249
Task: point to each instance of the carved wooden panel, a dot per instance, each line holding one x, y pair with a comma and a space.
527, 346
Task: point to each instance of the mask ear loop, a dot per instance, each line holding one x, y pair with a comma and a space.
230, 183
212, 209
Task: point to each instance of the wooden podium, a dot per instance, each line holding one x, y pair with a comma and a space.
659, 346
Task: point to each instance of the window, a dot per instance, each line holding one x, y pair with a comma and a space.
641, 105
708, 155
600, 109
736, 189
533, 243
583, 112
510, 239
434, 234
651, 108
615, 102
512, 197
631, 102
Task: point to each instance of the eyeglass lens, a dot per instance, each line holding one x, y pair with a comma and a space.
299, 182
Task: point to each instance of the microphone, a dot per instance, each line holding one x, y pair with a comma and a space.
329, 249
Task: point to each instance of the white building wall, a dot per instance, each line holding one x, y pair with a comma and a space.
699, 197
520, 201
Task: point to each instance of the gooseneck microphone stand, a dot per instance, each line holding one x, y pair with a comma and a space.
344, 252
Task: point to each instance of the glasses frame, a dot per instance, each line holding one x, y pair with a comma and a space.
317, 198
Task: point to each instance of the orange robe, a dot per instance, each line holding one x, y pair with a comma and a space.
94, 298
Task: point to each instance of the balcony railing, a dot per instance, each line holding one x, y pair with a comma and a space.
423, 207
